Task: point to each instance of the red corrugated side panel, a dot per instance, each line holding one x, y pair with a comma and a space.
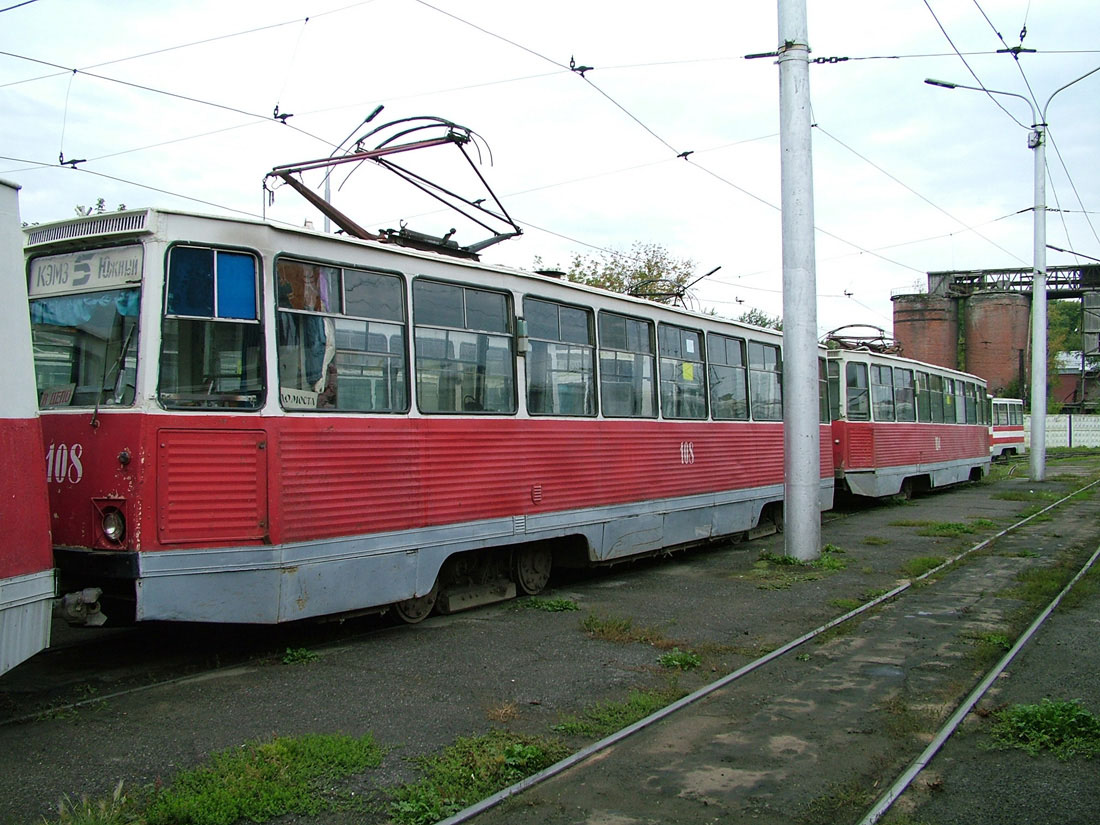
211, 485
368, 475
866, 444
23, 502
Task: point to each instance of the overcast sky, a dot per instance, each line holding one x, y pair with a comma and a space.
173, 101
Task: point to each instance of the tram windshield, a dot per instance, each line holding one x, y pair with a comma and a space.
85, 348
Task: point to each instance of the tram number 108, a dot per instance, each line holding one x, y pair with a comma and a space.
687, 452
63, 463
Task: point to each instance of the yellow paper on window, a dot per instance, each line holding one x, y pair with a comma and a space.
689, 371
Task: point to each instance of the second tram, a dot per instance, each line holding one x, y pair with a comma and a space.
902, 426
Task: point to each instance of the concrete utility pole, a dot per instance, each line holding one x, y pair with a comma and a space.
801, 432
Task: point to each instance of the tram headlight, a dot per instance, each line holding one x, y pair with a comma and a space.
113, 525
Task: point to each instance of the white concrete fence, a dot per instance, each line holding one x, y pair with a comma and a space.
1068, 430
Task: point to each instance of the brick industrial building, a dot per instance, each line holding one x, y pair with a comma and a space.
978, 321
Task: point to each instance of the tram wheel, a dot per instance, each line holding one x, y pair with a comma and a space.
531, 568
418, 608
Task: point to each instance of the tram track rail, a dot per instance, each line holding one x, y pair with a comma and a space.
883, 804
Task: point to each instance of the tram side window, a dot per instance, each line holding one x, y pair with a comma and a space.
765, 382
834, 389
729, 389
683, 393
627, 384
465, 359
882, 392
949, 400
936, 398
970, 394
341, 339
857, 398
960, 402
904, 401
823, 406
561, 363
212, 340
924, 398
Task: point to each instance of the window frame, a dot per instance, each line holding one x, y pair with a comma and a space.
339, 314
480, 371
668, 388
755, 398
640, 398
738, 371
592, 391
192, 401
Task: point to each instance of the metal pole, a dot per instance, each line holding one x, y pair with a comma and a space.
1038, 452
801, 433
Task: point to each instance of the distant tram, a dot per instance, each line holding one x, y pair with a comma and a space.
250, 423
26, 564
901, 426
1006, 430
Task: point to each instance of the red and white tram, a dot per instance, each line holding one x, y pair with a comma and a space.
26, 564
249, 423
901, 426
1006, 427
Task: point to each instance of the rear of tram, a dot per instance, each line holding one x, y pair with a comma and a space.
1006, 428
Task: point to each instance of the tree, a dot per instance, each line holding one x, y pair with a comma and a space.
647, 271
759, 318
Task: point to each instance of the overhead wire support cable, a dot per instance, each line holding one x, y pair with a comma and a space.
164, 92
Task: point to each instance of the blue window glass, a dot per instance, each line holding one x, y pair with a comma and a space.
191, 282
236, 286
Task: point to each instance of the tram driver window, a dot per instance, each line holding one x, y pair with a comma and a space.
341, 339
212, 341
465, 352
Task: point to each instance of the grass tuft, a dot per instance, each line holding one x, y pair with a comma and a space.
921, 565
299, 656
605, 718
262, 781
1066, 729
621, 630
470, 770
677, 659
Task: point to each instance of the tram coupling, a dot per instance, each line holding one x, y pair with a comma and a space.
82, 608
